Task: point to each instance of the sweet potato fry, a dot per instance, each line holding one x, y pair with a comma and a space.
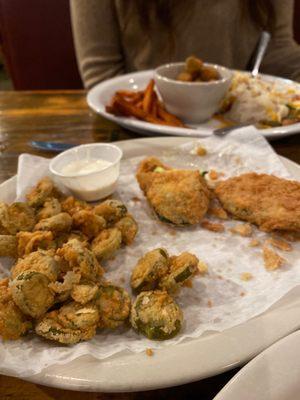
143, 105
131, 97
148, 97
154, 109
126, 93
128, 109
167, 117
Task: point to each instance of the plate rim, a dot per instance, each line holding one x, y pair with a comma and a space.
149, 371
142, 126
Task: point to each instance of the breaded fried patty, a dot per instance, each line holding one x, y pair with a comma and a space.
271, 203
177, 196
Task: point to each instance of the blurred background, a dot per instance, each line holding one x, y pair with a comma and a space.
36, 45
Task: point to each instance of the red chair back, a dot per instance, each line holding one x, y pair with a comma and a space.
297, 21
37, 44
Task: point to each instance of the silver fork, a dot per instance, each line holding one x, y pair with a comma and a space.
227, 129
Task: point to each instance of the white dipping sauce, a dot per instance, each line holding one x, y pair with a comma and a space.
79, 167
97, 184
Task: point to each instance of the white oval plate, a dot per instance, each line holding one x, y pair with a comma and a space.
100, 96
272, 375
195, 359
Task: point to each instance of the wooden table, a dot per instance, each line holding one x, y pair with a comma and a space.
64, 116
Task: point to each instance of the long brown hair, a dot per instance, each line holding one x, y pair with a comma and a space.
260, 11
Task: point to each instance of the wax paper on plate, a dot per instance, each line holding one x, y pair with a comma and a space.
217, 301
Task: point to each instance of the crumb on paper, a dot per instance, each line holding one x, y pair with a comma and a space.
188, 284
242, 294
272, 260
172, 232
136, 199
213, 175
280, 244
220, 277
246, 276
218, 211
209, 303
242, 230
201, 151
122, 279
238, 160
212, 226
149, 352
202, 267
254, 243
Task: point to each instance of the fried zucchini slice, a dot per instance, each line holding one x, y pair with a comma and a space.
107, 243
128, 228
181, 269
8, 246
31, 294
57, 224
156, 315
13, 323
70, 324
111, 210
114, 304
149, 270
78, 258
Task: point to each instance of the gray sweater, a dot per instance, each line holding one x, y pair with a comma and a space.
107, 44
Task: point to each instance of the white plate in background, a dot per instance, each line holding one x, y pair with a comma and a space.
272, 375
100, 96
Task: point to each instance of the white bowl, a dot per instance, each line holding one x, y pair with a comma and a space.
89, 186
193, 102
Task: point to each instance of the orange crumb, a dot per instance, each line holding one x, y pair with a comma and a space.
218, 212
254, 243
242, 294
149, 352
136, 199
173, 233
188, 283
209, 303
246, 276
220, 277
211, 226
272, 260
280, 244
201, 151
122, 280
238, 160
202, 268
242, 230
213, 175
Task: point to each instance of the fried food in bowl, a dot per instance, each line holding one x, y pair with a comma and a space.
193, 101
196, 71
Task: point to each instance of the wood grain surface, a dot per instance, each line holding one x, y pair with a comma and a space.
64, 116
